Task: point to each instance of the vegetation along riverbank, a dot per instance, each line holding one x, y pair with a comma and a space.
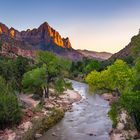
120, 81
34, 95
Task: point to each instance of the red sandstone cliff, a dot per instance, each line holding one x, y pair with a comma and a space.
43, 34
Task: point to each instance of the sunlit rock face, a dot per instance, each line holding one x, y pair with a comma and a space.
45, 34
0, 30
3, 28
44, 37
67, 43
12, 32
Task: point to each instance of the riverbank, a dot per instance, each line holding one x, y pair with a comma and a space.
125, 128
87, 120
37, 119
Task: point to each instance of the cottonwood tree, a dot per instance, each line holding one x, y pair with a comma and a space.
34, 80
115, 78
130, 98
50, 68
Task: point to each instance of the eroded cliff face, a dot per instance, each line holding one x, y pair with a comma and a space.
44, 37
11, 50
67, 42
0, 30
45, 34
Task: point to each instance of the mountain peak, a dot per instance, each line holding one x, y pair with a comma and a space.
44, 25
2, 25
54, 35
44, 34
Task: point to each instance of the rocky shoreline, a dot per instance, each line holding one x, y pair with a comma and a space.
36, 119
125, 128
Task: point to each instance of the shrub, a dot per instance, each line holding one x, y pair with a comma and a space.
59, 86
10, 112
113, 114
68, 84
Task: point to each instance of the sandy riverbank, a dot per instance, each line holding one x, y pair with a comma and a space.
63, 102
109, 97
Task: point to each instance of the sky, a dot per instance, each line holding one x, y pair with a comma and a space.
98, 25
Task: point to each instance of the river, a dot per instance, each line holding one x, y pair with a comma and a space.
88, 119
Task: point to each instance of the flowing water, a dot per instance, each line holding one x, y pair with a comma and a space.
88, 119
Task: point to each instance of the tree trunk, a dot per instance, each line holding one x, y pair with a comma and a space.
47, 91
43, 96
47, 81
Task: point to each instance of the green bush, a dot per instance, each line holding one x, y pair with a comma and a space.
42, 124
55, 116
59, 86
113, 114
68, 84
10, 112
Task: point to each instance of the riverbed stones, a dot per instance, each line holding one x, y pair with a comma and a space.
91, 134
26, 125
12, 136
54, 134
49, 106
38, 136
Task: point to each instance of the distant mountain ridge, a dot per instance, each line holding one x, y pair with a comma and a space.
96, 55
44, 37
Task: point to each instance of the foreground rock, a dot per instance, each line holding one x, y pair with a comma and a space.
109, 97
125, 128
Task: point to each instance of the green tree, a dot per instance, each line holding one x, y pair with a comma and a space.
50, 71
91, 65
84, 66
115, 78
21, 65
54, 68
59, 86
13, 69
10, 112
130, 98
35, 80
